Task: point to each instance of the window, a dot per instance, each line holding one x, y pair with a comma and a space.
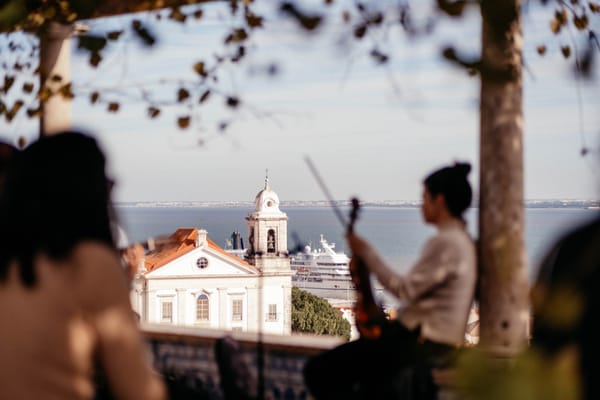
202, 308
202, 262
251, 241
271, 241
166, 312
236, 310
272, 314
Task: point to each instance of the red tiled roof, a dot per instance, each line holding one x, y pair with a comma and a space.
181, 242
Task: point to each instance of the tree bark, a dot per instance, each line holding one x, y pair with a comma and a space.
503, 280
55, 61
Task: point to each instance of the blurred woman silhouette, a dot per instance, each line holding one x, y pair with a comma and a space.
435, 297
64, 299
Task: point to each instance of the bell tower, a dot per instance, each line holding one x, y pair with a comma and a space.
267, 233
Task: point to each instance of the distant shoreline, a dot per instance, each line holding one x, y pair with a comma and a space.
530, 204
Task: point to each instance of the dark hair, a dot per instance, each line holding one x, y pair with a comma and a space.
55, 196
452, 182
7, 151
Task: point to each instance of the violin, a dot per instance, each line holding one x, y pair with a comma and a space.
370, 318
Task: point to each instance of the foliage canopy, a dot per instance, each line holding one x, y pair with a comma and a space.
313, 314
368, 23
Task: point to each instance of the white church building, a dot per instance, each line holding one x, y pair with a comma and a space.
190, 280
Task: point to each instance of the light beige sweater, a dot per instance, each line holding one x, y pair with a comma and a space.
437, 292
77, 312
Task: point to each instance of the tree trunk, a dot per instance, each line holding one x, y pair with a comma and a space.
504, 290
55, 72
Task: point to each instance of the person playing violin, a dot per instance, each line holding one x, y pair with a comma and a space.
435, 296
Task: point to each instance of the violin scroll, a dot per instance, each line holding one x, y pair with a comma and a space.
353, 214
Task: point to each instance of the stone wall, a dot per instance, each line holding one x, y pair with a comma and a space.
187, 355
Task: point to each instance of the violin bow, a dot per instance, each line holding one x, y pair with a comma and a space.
332, 203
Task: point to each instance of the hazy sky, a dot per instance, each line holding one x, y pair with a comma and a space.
372, 131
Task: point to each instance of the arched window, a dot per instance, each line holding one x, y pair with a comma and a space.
202, 308
271, 241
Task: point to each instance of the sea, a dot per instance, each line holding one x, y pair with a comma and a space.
398, 233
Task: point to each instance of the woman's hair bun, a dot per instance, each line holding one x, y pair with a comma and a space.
463, 168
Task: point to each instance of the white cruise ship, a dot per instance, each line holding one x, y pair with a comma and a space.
322, 271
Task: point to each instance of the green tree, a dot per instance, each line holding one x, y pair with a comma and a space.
313, 314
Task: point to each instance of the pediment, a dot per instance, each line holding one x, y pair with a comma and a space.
204, 261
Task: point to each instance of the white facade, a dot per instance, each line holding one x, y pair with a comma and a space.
204, 286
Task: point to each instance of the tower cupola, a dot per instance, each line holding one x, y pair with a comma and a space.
267, 232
